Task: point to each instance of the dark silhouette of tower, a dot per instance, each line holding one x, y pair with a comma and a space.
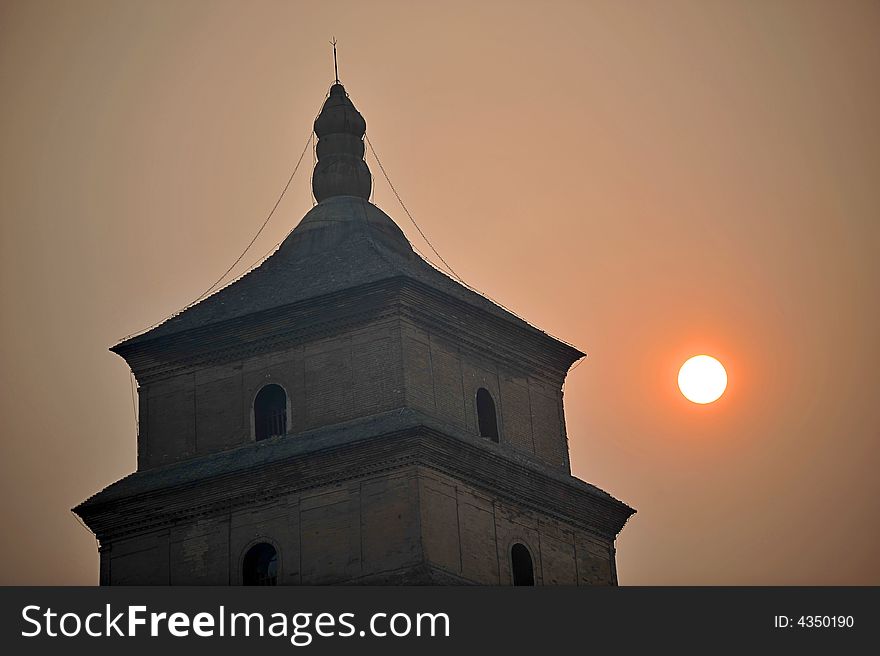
345, 413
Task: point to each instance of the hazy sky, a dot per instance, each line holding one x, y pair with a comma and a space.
647, 180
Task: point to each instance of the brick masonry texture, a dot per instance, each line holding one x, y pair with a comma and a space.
381, 365
412, 526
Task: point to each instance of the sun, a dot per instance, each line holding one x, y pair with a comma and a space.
702, 379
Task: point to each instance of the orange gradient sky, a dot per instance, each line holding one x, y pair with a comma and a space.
646, 180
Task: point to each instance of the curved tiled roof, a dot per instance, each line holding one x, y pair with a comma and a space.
342, 242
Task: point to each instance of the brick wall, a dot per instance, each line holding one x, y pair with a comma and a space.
327, 381
367, 530
369, 370
442, 379
470, 534
328, 535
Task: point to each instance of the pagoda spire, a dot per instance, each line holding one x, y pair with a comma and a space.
341, 169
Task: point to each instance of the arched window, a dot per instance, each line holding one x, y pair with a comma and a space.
270, 412
521, 565
486, 417
260, 565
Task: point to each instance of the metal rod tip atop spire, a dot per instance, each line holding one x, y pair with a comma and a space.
335, 65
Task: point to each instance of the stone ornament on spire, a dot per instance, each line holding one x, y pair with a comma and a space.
341, 169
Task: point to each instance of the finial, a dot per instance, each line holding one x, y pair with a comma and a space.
335, 67
340, 169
